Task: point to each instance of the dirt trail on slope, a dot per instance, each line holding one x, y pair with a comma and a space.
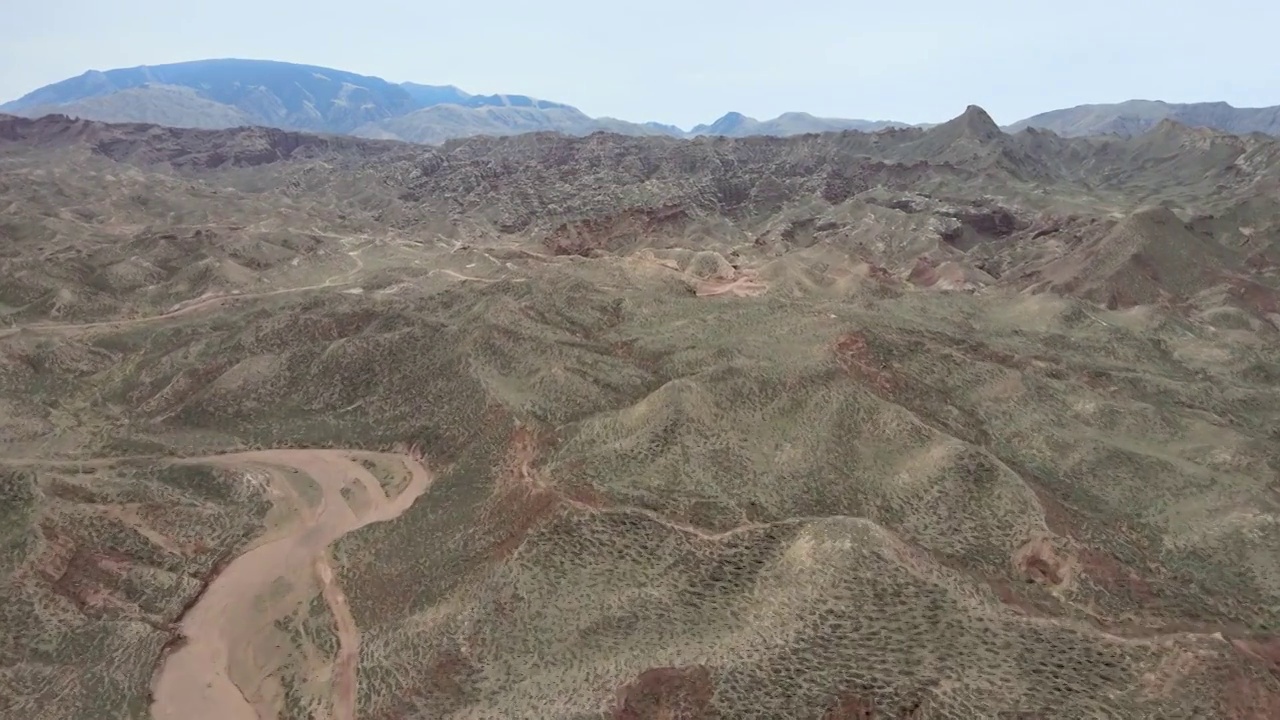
224, 668
186, 307
745, 285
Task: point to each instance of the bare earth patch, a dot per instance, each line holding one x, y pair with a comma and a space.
745, 285
667, 693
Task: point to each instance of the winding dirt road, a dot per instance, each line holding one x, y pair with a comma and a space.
223, 670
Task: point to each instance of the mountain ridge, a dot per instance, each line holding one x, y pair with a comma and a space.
1134, 117
230, 92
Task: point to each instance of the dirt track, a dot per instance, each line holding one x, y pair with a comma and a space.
221, 671
205, 302
745, 285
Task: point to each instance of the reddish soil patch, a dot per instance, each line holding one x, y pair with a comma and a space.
852, 707
1106, 571
1014, 597
586, 494
1254, 296
857, 359
443, 685
1099, 380
521, 500
1146, 267
83, 576
996, 356
1262, 650
1121, 299
87, 581
448, 676
1103, 568
879, 272
1259, 262
519, 512
627, 350
1115, 577
64, 490
1248, 699
1040, 562
667, 693
924, 273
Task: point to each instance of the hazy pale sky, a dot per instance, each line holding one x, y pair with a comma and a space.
685, 62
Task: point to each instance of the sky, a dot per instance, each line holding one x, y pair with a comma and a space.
690, 62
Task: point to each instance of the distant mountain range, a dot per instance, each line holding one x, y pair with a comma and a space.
793, 123
232, 92
1136, 117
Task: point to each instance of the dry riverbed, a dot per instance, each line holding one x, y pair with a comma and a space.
228, 665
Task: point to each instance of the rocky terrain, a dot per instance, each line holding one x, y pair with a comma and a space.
922, 423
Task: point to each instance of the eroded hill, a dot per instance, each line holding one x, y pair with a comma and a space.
941, 423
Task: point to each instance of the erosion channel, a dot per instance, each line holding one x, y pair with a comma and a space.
225, 668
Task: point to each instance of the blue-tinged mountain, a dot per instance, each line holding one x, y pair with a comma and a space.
233, 92
431, 95
428, 95
277, 94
